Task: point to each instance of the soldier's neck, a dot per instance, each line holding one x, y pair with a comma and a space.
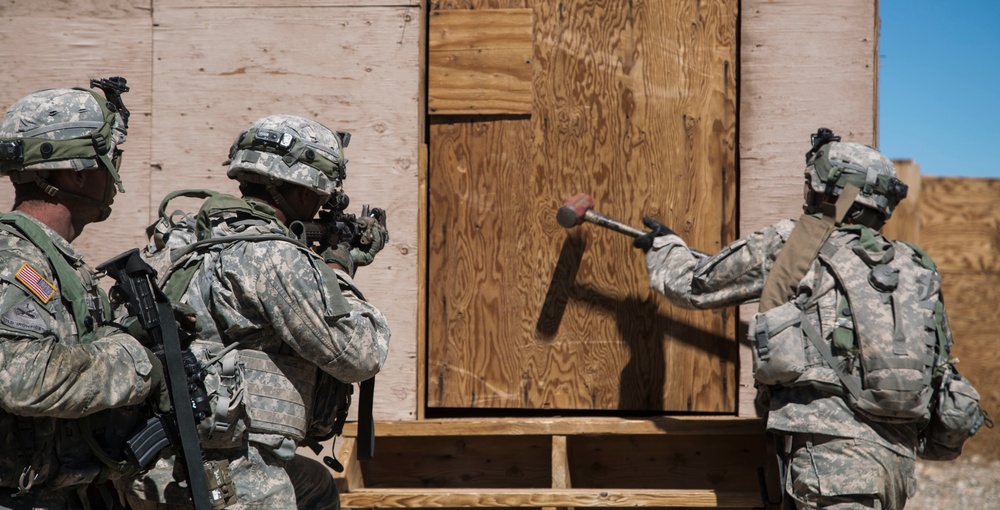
54, 215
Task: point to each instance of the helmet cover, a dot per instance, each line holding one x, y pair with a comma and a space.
839, 163
60, 129
287, 148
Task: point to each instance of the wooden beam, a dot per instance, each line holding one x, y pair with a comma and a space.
479, 62
682, 425
465, 498
351, 478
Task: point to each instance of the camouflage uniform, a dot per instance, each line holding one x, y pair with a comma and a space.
833, 456
286, 308
50, 378
58, 365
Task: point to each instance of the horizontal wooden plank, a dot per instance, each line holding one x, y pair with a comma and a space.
681, 425
494, 81
273, 5
479, 29
479, 62
465, 498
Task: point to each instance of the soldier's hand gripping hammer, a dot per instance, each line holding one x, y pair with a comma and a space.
580, 208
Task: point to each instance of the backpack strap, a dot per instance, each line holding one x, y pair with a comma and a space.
793, 262
192, 193
850, 383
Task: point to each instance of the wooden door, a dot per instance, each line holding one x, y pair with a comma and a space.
530, 102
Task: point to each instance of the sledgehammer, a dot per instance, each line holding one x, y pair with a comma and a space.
580, 208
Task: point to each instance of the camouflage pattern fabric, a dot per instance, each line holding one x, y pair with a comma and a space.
276, 297
847, 474
735, 276
49, 378
263, 483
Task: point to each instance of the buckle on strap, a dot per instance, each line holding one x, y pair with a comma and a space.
26, 481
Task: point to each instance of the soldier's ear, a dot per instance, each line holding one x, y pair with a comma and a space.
69, 180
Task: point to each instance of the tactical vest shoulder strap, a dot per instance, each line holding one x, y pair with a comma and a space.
70, 286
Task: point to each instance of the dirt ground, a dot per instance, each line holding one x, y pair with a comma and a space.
970, 483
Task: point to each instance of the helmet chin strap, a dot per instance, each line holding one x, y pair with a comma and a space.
104, 204
282, 202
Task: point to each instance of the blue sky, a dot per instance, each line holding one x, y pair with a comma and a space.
939, 85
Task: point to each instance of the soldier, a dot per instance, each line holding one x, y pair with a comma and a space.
851, 329
58, 365
295, 318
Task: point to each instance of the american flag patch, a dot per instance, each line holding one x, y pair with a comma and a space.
38, 286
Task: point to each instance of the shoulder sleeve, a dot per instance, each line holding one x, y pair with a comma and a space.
43, 377
733, 276
300, 298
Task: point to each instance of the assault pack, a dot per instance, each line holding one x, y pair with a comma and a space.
885, 348
178, 245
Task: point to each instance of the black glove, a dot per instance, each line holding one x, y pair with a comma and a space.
159, 394
645, 241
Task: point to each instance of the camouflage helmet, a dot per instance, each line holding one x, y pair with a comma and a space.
286, 148
833, 164
61, 129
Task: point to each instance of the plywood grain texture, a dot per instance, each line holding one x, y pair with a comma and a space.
636, 107
89, 40
960, 230
479, 62
804, 64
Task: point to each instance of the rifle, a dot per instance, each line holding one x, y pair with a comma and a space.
333, 226
134, 283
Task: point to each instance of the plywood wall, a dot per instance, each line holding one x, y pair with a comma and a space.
960, 229
525, 314
201, 72
803, 65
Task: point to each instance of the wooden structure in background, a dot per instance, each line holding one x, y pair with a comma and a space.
558, 462
960, 229
524, 103
522, 313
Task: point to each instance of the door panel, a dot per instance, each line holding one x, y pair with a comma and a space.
631, 102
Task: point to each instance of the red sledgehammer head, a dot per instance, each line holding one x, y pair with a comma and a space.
573, 210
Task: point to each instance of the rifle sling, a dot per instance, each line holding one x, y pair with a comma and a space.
366, 425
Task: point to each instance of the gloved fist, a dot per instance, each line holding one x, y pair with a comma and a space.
159, 394
371, 241
373, 237
645, 241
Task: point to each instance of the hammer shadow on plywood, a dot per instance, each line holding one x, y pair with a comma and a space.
640, 324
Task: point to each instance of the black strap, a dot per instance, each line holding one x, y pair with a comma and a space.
366, 424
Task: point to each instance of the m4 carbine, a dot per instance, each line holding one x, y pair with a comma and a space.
333, 226
208, 482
